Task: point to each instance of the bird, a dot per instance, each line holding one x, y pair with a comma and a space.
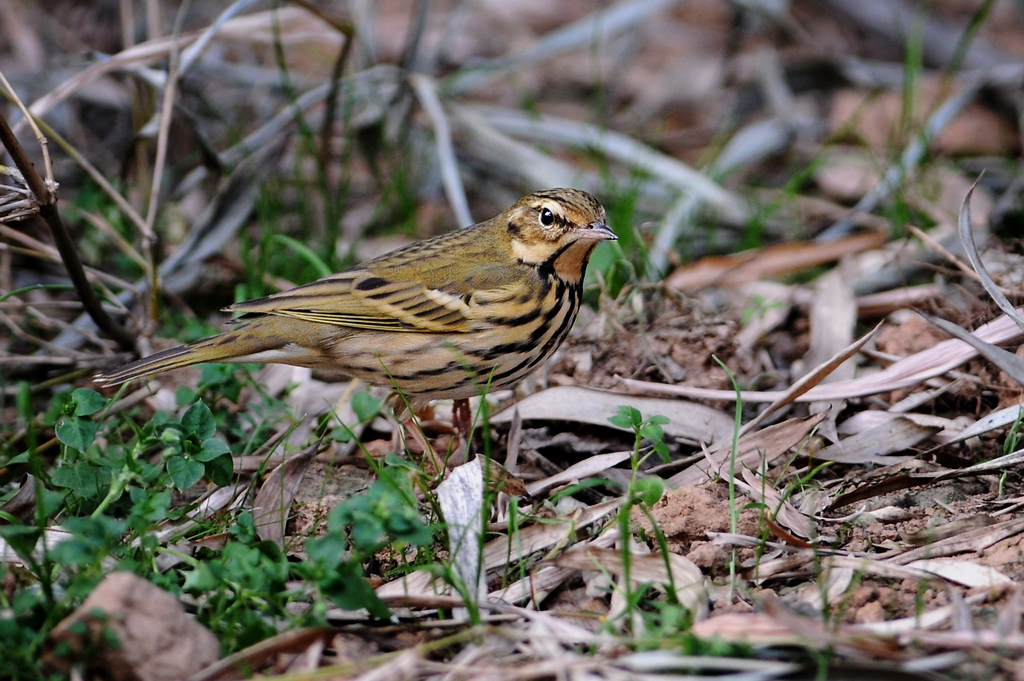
449, 317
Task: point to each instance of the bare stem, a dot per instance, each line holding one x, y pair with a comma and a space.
62, 239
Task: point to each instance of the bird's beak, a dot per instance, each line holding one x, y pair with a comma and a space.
598, 231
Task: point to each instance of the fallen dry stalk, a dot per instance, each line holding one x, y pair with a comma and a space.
47, 202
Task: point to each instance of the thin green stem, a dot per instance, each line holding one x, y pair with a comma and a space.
733, 511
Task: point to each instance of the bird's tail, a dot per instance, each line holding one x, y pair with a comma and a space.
231, 346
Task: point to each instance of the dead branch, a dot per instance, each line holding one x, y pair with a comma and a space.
47, 202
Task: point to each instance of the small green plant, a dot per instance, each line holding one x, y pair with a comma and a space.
650, 429
115, 476
734, 512
642, 493
1013, 436
114, 481
365, 407
243, 587
386, 515
646, 490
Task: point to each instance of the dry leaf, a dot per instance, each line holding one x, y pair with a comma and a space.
156, 640
766, 444
771, 261
461, 497
832, 317
537, 585
691, 422
968, 573
830, 585
505, 550
783, 512
756, 629
971, 541
589, 467
644, 568
263, 654
913, 472
274, 500
873, 445
876, 118
847, 174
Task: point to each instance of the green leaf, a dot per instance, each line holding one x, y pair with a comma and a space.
76, 432
83, 478
382, 512
199, 420
21, 538
87, 401
62, 404
201, 580
184, 472
92, 540
661, 449
23, 603
305, 252
36, 287
348, 589
626, 417
244, 529
365, 406
148, 507
367, 532
342, 435
18, 459
212, 448
327, 551
649, 490
409, 528
652, 431
220, 470
50, 501
220, 379
183, 395
170, 435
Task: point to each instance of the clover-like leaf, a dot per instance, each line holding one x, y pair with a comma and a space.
76, 432
198, 419
87, 401
211, 449
365, 406
184, 472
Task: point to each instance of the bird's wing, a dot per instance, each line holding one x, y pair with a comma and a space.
361, 299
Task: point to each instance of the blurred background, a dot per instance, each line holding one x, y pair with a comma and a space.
220, 151
303, 136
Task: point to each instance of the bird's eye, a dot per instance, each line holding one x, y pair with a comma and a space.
547, 218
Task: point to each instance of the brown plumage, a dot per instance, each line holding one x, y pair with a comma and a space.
439, 318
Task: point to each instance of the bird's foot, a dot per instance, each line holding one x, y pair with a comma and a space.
462, 419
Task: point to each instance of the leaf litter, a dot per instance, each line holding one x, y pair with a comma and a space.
874, 517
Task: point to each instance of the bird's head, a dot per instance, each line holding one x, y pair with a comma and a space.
557, 230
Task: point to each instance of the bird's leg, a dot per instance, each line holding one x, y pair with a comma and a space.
406, 428
462, 419
397, 437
